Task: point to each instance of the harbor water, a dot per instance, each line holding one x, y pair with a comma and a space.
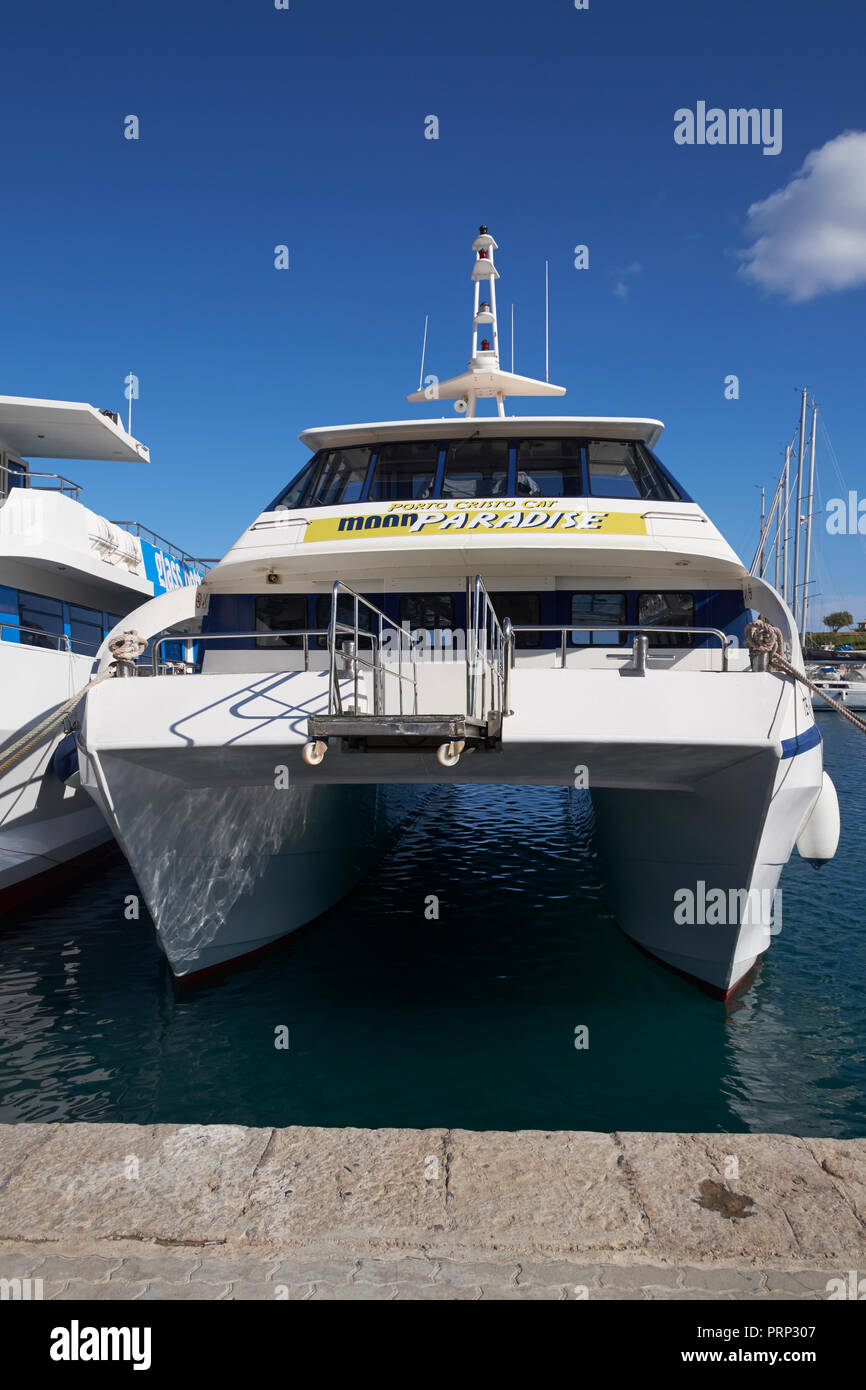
450, 989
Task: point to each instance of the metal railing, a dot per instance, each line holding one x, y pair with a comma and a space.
47, 638
353, 660
487, 656
135, 528
23, 479
189, 639
646, 631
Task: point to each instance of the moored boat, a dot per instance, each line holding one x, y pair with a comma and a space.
523, 600
67, 577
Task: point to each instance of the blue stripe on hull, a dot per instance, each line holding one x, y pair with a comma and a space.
802, 742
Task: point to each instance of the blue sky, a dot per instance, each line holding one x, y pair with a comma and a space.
305, 127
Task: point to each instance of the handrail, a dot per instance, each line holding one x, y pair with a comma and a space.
196, 637
136, 528
647, 630
67, 488
57, 637
375, 664
490, 655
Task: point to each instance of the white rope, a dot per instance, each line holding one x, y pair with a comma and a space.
762, 636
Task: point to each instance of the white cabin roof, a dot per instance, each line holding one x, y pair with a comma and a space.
601, 427
65, 430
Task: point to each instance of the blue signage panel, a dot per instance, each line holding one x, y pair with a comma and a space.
165, 571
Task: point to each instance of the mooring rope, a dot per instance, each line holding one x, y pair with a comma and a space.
126, 647
762, 636
38, 733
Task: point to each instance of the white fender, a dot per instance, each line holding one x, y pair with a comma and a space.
819, 836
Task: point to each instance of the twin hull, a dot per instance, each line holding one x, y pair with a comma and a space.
236, 842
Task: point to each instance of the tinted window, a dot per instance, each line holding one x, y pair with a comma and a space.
293, 495
85, 629
426, 611
668, 610
341, 476
44, 616
624, 468
524, 610
277, 613
548, 468
476, 468
589, 609
405, 472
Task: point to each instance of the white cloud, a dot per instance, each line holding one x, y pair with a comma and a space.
626, 272
810, 236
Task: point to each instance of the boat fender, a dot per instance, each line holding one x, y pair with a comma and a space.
64, 762
818, 839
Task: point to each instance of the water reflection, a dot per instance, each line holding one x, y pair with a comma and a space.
468, 1020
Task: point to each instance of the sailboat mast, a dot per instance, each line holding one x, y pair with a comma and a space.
798, 518
808, 557
761, 556
787, 491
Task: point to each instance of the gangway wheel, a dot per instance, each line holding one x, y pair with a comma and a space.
448, 754
313, 752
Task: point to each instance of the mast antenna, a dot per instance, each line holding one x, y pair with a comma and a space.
423, 353
547, 320
484, 376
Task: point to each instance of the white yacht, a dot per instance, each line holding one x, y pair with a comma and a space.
530, 600
67, 577
844, 683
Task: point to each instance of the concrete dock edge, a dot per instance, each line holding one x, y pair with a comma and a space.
226, 1212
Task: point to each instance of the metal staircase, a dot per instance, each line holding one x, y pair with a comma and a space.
356, 651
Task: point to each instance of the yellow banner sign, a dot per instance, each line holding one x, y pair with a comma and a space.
502, 518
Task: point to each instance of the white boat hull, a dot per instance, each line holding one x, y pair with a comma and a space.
852, 697
227, 868
45, 826
688, 787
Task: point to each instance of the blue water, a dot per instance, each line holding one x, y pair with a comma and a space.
467, 1021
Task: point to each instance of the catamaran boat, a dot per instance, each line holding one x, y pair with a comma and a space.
845, 684
497, 599
67, 577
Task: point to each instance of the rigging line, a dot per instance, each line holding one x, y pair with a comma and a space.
842, 483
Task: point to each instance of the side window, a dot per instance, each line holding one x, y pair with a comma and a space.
524, 610
111, 621
617, 469
427, 611
44, 618
342, 477
278, 613
292, 496
405, 472
85, 629
668, 610
548, 468
587, 610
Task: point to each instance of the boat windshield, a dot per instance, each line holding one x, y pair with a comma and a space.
480, 466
